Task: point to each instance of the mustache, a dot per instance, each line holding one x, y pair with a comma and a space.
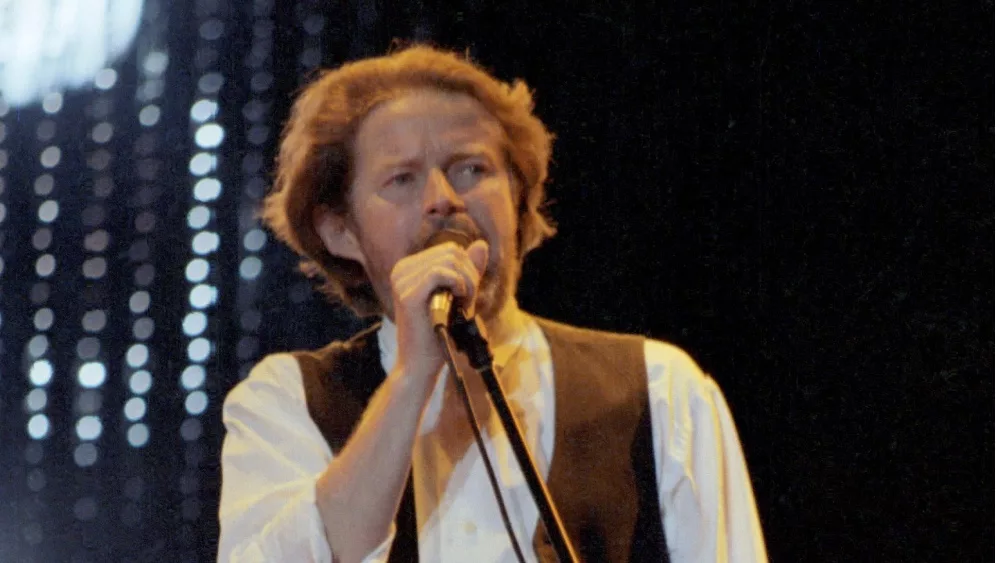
459, 227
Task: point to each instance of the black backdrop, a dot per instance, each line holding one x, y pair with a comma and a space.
799, 194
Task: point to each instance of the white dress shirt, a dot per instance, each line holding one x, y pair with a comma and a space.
273, 454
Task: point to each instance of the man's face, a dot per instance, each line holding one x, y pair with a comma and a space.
425, 161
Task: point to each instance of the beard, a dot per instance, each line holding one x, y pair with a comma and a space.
494, 286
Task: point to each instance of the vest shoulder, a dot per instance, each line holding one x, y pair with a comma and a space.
578, 334
321, 360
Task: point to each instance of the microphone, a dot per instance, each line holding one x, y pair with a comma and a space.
442, 299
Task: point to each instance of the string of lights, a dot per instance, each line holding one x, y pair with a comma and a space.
256, 115
203, 268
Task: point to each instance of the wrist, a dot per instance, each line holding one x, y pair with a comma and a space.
412, 382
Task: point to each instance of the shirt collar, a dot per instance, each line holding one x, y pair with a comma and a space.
502, 351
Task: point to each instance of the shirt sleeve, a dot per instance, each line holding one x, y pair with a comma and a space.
706, 499
272, 456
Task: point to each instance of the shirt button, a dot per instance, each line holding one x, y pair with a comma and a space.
470, 527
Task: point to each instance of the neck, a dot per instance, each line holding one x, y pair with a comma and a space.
506, 324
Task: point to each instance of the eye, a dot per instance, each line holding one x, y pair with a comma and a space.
473, 169
469, 173
401, 179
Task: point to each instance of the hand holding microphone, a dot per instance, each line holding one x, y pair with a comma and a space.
450, 268
443, 298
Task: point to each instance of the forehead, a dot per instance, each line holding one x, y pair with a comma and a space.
425, 121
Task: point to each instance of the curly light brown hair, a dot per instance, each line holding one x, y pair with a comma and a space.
316, 152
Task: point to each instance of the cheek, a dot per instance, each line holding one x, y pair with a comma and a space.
499, 221
383, 241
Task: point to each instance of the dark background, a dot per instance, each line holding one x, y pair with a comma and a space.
799, 194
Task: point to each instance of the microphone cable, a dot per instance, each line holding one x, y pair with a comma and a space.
449, 347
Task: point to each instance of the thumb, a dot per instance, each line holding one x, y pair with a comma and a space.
479, 253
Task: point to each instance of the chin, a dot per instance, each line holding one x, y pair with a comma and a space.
493, 295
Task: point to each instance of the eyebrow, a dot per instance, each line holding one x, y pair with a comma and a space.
473, 151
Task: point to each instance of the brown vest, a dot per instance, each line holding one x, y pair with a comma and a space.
602, 475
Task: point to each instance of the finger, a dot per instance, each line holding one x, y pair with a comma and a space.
479, 253
423, 259
439, 277
453, 258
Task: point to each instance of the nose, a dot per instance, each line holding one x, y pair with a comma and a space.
440, 198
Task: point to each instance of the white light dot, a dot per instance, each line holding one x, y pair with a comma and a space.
156, 62
36, 400
203, 110
210, 83
94, 321
106, 78
254, 240
250, 268
44, 319
209, 136
211, 29
99, 159
95, 268
88, 348
50, 157
199, 349
140, 382
193, 377
40, 373
44, 184
195, 323
197, 270
38, 426
92, 374
138, 435
151, 89
45, 265
207, 189
88, 428
202, 163
137, 356
205, 242
203, 295
88, 402
198, 217
196, 402
48, 211
96, 241
143, 328
144, 274
191, 429
102, 132
52, 102
149, 115
135, 408
139, 302
85, 455
38, 345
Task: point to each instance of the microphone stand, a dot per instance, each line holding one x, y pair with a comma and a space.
469, 339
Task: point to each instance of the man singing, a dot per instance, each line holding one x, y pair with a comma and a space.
361, 451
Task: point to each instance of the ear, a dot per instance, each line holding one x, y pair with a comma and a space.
335, 232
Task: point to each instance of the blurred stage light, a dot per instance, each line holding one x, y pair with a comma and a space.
49, 46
